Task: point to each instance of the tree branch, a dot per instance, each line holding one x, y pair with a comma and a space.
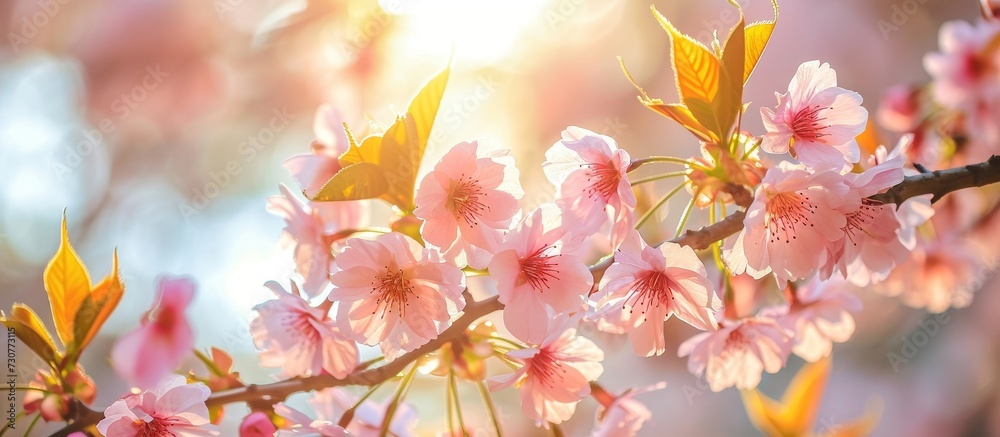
942, 182
938, 183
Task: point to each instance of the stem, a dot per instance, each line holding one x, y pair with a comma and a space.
490, 407
671, 159
450, 408
942, 182
348, 416
458, 403
514, 344
390, 410
684, 218
34, 422
659, 177
659, 203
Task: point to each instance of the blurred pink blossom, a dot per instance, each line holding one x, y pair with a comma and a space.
738, 353
257, 424
312, 170
144, 356
625, 415
820, 315
330, 404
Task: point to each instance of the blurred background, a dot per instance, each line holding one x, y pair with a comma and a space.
161, 126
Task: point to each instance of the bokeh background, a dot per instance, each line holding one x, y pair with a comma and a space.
139, 118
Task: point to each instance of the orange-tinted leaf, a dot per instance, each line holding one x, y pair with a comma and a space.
682, 115
858, 428
757, 36
796, 413
705, 114
695, 67
67, 284
396, 154
869, 140
30, 330
729, 101
363, 180
96, 308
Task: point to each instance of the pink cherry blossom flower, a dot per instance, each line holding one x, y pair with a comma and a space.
257, 424
899, 110
816, 120
738, 353
592, 185
310, 228
794, 223
144, 356
311, 171
625, 415
965, 70
299, 339
647, 285
331, 403
940, 274
820, 315
395, 294
52, 396
556, 375
173, 407
466, 201
538, 265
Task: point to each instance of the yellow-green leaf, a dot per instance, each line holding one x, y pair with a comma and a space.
31, 331
756, 36
796, 413
96, 308
396, 154
683, 116
728, 102
67, 284
695, 66
363, 180
859, 427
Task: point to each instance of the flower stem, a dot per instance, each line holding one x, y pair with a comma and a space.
453, 386
34, 422
490, 407
684, 218
659, 203
659, 177
390, 410
348, 416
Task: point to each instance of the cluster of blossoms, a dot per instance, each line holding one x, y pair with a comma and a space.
811, 229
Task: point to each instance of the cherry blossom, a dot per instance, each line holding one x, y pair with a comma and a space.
738, 353
257, 424
794, 224
820, 315
309, 227
592, 185
299, 339
900, 108
52, 398
816, 120
312, 170
646, 285
965, 70
172, 407
538, 265
163, 340
941, 273
624, 416
330, 404
555, 375
393, 293
466, 201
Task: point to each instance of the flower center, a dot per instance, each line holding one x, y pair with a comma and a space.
298, 324
153, 428
394, 291
785, 212
736, 341
546, 369
652, 290
538, 268
807, 124
465, 200
602, 180
860, 219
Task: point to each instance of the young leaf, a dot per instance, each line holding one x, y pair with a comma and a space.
67, 284
695, 67
32, 332
757, 36
682, 115
796, 413
95, 309
392, 159
730, 98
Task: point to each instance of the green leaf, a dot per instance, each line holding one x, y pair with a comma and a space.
756, 36
363, 180
729, 101
96, 308
696, 68
32, 332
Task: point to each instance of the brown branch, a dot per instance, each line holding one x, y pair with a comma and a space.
937, 183
942, 182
